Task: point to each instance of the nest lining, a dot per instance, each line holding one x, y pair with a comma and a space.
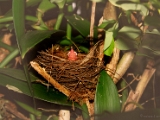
80, 79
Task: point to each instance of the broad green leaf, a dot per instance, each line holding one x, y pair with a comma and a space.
40, 91
106, 23
106, 97
16, 74
155, 3
79, 39
130, 32
65, 42
131, 5
45, 5
31, 38
110, 49
30, 109
32, 2
108, 39
18, 18
81, 25
84, 49
85, 112
127, 38
108, 43
60, 3
126, 44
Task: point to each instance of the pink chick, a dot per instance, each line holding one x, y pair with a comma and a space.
72, 55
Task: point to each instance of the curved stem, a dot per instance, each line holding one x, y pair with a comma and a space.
9, 58
59, 20
5, 46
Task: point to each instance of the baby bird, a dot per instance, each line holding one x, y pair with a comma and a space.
72, 55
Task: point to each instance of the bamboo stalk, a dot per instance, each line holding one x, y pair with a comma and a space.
123, 65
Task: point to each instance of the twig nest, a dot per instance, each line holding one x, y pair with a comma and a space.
78, 76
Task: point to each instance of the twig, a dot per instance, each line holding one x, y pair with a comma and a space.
42, 72
92, 23
111, 67
135, 96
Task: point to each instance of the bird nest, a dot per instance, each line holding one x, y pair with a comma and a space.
79, 77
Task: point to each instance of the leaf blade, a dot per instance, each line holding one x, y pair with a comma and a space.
106, 98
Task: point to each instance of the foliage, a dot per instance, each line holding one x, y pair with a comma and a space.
30, 30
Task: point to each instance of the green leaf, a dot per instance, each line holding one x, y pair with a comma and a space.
127, 38
81, 25
126, 44
31, 38
18, 18
106, 97
45, 5
40, 91
108, 43
131, 5
85, 112
16, 74
110, 49
65, 42
60, 3
105, 23
84, 49
32, 2
130, 32
79, 39
108, 39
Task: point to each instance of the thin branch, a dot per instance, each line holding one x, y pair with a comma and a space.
135, 96
42, 72
92, 23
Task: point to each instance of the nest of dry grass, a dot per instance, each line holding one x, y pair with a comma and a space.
79, 77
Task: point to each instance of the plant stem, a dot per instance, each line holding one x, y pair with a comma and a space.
69, 31
5, 46
123, 65
92, 23
10, 18
58, 22
9, 58
124, 92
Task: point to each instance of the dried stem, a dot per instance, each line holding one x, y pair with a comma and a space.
111, 67
92, 23
123, 65
42, 72
134, 97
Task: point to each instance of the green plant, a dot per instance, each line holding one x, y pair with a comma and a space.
30, 29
